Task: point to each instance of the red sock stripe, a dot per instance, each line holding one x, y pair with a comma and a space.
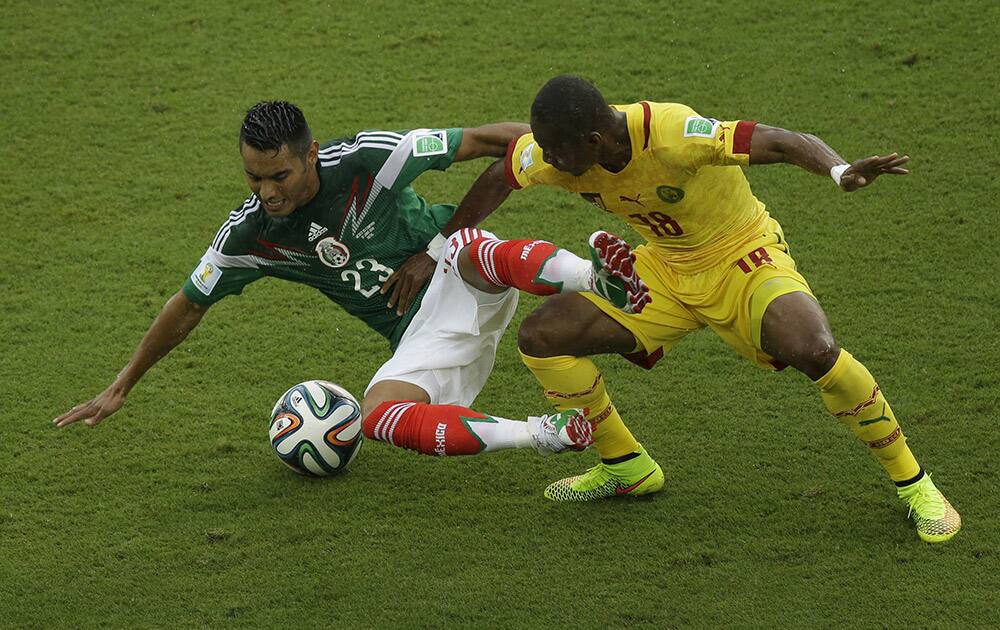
486, 263
386, 425
513, 263
428, 429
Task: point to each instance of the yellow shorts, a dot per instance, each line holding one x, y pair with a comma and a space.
730, 298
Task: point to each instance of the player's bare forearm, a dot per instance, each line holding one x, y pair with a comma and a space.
773, 145
770, 145
176, 320
487, 193
489, 140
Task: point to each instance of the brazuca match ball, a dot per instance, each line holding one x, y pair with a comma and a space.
316, 428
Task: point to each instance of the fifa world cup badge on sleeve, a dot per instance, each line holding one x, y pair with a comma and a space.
206, 276
430, 143
698, 127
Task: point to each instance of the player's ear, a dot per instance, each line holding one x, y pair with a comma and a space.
313, 154
593, 141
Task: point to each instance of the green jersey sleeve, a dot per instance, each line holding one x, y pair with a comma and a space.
397, 161
227, 265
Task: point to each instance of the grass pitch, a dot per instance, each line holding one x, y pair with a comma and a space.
119, 158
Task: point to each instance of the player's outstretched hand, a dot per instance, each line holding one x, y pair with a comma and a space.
864, 171
407, 281
94, 411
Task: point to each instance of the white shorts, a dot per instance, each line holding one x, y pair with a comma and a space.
449, 347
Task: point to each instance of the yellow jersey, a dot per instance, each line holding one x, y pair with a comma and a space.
683, 189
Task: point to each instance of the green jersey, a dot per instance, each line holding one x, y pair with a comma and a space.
364, 222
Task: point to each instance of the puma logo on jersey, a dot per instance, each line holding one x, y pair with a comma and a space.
635, 201
316, 231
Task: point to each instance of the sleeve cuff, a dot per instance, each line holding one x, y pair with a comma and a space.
508, 165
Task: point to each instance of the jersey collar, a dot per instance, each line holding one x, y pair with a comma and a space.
637, 120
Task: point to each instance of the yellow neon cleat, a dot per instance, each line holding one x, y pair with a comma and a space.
639, 475
936, 519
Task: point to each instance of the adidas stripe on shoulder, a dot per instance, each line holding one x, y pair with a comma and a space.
251, 205
386, 140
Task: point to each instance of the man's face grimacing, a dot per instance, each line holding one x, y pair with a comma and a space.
282, 180
571, 155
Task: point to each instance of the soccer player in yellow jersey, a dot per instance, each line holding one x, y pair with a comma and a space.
713, 257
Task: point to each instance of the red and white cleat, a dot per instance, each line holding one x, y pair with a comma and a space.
566, 430
615, 278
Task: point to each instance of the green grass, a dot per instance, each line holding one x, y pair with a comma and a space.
119, 162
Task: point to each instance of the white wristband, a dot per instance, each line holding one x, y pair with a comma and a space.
435, 247
838, 171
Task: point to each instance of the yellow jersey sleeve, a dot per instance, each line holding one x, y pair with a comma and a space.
683, 139
523, 164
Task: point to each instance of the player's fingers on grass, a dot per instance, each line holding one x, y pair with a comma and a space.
73, 414
101, 413
71, 419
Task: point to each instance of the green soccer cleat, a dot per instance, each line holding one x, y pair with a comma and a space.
614, 277
639, 475
936, 519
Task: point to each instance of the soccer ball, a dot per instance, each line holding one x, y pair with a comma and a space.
316, 428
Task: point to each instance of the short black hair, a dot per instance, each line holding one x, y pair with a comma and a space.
269, 125
571, 107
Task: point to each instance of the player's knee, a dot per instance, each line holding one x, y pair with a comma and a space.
817, 355
467, 266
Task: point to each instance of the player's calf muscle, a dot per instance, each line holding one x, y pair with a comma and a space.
571, 325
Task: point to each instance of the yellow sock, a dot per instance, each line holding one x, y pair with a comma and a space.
851, 394
576, 382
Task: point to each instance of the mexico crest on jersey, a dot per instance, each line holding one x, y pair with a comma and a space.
332, 252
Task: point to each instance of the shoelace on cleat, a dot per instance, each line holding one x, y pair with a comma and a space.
925, 495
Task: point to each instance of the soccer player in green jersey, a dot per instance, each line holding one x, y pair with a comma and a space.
344, 219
